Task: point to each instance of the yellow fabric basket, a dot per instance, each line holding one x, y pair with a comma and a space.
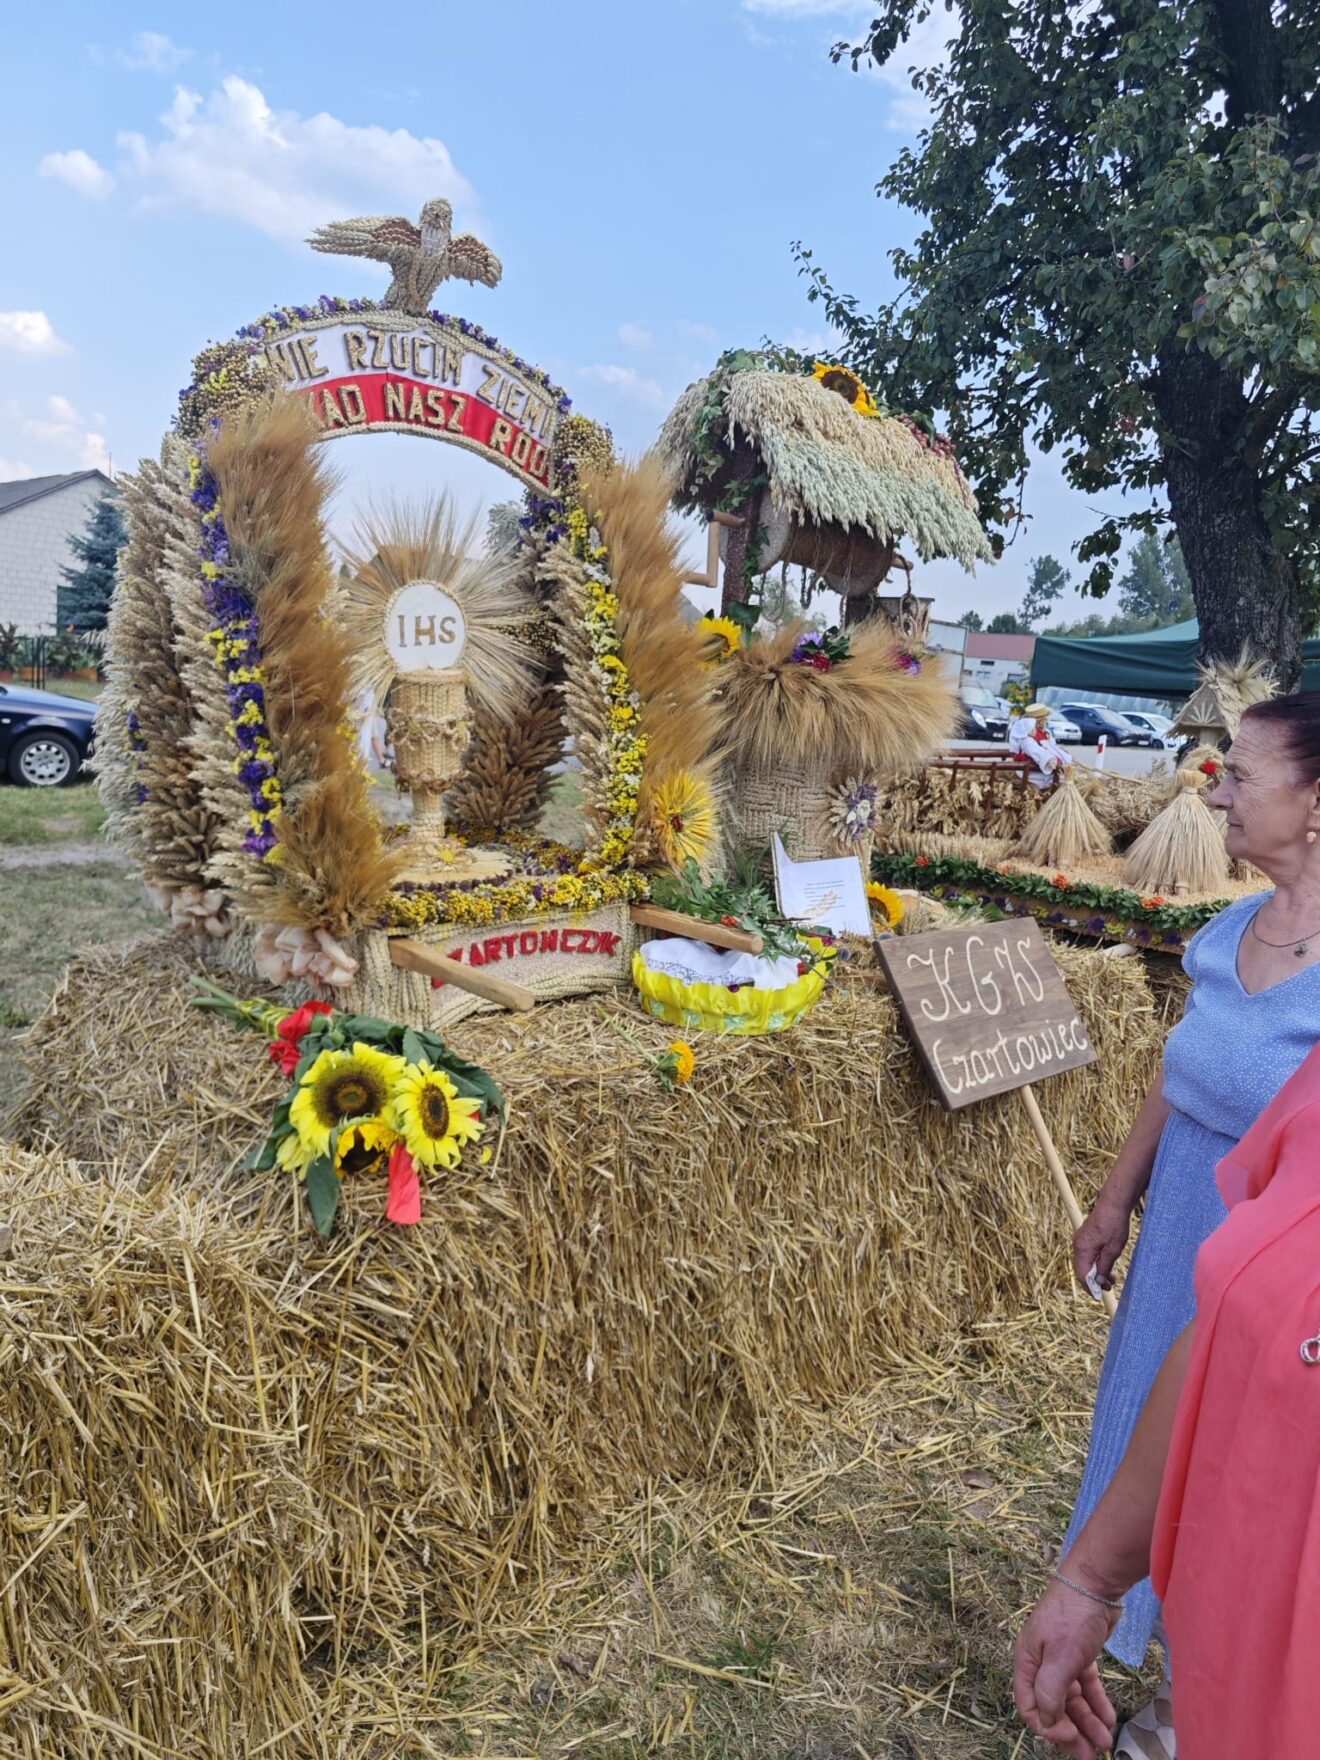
711, 1008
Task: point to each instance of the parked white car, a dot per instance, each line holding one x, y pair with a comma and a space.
1157, 724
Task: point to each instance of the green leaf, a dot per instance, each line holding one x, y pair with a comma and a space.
414, 1050
323, 1194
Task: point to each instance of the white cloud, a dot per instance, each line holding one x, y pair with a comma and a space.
229, 153
154, 53
634, 336
926, 47
13, 470
701, 332
80, 171
30, 333
630, 384
63, 429
817, 342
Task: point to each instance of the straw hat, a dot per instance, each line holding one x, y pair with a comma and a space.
1037, 709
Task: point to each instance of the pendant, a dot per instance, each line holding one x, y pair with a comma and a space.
1311, 1352
1301, 948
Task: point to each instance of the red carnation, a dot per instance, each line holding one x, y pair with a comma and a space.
1062, 882
1211, 767
923, 861
822, 663
286, 1050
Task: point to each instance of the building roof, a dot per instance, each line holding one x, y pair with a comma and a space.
981, 646
26, 489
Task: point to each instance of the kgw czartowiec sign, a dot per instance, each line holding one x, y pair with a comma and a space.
393, 372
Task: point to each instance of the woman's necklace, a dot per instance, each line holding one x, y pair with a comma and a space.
1300, 948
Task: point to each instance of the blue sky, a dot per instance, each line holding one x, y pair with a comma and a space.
642, 171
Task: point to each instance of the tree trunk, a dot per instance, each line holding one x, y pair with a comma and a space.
1245, 591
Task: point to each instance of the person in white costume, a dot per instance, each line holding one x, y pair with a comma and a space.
1029, 737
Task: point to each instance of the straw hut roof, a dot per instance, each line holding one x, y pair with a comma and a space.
826, 462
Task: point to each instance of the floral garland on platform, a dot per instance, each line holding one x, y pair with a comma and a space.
234, 637
469, 906
1058, 903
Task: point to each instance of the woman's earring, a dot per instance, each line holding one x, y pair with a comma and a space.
1310, 837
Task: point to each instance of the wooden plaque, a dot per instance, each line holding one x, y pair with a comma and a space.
986, 1008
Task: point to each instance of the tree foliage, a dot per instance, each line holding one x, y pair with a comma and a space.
1119, 258
1047, 581
971, 620
83, 601
1155, 584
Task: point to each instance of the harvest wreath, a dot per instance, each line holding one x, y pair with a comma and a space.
1110, 912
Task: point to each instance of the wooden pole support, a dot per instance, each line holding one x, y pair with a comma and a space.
654, 916
1060, 1178
412, 956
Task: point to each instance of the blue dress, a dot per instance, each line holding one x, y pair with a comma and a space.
1223, 1064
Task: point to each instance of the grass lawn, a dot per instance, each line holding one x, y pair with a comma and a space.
41, 817
88, 689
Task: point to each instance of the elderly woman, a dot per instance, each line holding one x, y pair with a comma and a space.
1219, 1491
1252, 1016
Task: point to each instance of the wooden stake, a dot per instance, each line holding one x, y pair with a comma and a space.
412, 956
1060, 1178
654, 916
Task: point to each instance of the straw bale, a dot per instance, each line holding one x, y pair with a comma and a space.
327, 1444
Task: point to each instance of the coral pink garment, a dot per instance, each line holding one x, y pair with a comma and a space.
1236, 1553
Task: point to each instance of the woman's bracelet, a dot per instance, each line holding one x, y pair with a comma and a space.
1090, 1594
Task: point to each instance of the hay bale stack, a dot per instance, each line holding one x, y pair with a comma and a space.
325, 1442
1124, 805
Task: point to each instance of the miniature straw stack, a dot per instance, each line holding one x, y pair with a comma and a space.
1182, 849
1065, 831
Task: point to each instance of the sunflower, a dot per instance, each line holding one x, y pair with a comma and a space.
339, 1086
365, 1148
722, 637
685, 1060
883, 898
683, 820
431, 1116
848, 385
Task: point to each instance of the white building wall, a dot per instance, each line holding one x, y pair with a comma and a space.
34, 547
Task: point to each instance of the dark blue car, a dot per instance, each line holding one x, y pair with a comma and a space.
45, 739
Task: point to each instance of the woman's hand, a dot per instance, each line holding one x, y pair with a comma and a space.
1056, 1685
1100, 1241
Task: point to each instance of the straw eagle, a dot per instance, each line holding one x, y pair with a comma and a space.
420, 256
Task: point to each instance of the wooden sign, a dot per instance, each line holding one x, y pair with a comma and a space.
392, 371
986, 1008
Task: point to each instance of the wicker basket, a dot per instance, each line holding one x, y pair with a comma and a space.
554, 954
794, 801
713, 1008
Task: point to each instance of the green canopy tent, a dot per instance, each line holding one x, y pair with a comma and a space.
1158, 663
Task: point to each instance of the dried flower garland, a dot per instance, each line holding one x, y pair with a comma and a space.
234, 637
627, 744
502, 902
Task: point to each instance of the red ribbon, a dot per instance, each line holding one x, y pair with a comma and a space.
405, 1201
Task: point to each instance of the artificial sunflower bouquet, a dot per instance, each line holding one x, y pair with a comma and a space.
368, 1098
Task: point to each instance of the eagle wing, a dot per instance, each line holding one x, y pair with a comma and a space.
385, 237
467, 259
